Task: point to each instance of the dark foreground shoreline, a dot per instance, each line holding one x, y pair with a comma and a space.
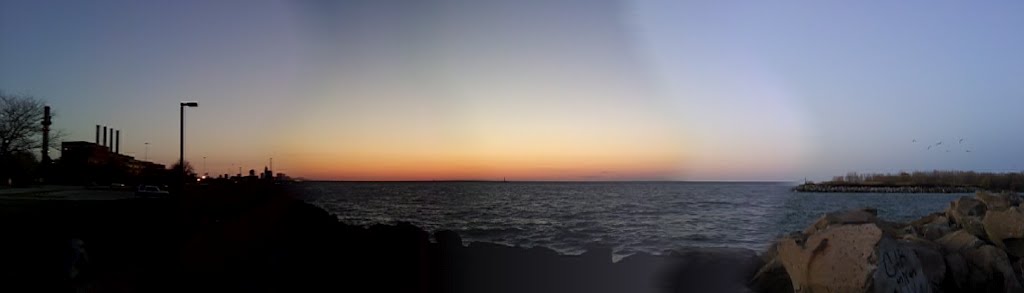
258, 238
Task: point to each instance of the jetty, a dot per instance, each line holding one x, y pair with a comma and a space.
868, 188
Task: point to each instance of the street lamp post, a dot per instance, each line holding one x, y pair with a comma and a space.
181, 153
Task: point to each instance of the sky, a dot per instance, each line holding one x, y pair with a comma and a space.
533, 90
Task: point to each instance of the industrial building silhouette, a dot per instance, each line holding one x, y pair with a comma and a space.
102, 162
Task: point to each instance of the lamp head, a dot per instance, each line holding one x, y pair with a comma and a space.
190, 104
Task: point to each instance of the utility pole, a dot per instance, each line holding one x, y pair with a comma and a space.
46, 136
46, 143
181, 153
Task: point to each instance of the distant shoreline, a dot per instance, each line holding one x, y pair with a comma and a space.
937, 181
876, 188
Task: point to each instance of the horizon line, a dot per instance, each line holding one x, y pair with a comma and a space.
553, 181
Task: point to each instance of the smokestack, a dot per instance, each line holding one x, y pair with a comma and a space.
104, 136
97, 134
117, 141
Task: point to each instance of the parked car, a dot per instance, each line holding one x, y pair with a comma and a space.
150, 190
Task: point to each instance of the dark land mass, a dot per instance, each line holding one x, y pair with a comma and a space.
937, 181
257, 238
883, 188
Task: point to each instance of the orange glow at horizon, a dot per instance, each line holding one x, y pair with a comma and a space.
470, 166
504, 136
427, 173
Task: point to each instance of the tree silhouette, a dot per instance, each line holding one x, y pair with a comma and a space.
21, 129
20, 118
1010, 181
189, 171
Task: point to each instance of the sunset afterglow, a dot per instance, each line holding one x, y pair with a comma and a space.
485, 90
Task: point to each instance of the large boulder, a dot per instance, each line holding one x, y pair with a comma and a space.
861, 216
851, 258
977, 266
1006, 229
931, 257
932, 226
853, 216
901, 268
967, 213
990, 261
958, 241
927, 219
958, 269
998, 201
935, 229
1018, 267
772, 277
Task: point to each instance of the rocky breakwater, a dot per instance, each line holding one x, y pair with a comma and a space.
975, 245
853, 188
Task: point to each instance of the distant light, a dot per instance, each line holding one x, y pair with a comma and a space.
199, 179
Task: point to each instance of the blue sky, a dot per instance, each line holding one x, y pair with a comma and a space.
612, 90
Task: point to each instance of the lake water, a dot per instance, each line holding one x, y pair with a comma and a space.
628, 216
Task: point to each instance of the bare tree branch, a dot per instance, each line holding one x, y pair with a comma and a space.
20, 124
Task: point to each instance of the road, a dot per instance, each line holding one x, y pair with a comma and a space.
56, 192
